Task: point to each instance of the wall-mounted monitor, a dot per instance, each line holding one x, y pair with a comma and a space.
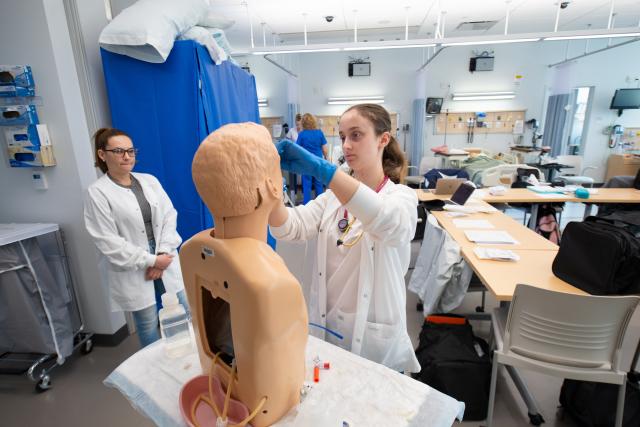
434, 105
625, 99
357, 69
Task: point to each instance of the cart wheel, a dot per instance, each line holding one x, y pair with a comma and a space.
536, 419
87, 347
44, 384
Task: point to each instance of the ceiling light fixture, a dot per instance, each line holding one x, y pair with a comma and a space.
350, 100
483, 96
404, 46
592, 36
504, 41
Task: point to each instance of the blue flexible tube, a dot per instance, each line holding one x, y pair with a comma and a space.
334, 333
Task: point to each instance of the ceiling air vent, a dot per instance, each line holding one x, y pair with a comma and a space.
475, 25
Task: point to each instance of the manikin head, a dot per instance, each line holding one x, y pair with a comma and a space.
237, 173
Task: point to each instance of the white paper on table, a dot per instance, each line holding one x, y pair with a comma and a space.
472, 223
456, 214
552, 196
495, 236
496, 254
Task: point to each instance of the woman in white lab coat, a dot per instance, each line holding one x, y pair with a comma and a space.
133, 224
364, 226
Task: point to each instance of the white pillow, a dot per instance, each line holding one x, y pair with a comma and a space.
213, 20
146, 30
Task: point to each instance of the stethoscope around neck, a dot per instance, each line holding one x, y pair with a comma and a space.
344, 225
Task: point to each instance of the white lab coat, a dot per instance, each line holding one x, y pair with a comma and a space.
389, 220
441, 276
112, 217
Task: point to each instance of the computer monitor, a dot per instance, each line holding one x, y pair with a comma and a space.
434, 105
462, 194
625, 99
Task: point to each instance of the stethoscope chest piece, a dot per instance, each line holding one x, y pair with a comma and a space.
343, 224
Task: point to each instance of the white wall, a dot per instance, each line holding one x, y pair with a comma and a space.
35, 32
607, 71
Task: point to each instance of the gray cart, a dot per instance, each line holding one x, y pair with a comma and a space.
40, 320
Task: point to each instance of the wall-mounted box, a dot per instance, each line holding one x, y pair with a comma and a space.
18, 115
28, 146
16, 75
13, 91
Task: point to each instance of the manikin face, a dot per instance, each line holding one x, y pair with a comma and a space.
118, 164
361, 147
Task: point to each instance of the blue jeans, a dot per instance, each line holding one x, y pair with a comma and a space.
146, 320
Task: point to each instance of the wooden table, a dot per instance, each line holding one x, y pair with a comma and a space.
533, 268
523, 195
527, 239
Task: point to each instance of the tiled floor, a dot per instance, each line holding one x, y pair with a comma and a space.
78, 397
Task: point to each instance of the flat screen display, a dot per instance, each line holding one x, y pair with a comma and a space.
626, 99
434, 105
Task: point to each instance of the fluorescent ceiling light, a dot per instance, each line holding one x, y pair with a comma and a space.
275, 52
404, 46
483, 96
349, 100
592, 36
475, 42
263, 102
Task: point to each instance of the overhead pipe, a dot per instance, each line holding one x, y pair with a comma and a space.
594, 52
291, 73
435, 54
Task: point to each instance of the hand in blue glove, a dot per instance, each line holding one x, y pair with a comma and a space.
294, 158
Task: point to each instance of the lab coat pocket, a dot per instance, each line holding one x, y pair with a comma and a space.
344, 325
379, 341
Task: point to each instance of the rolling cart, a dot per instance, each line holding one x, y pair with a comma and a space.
41, 323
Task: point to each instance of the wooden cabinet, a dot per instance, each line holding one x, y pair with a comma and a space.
622, 164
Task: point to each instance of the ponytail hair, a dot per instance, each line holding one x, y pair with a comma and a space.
394, 162
101, 140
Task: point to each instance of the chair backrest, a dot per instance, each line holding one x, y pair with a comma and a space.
570, 160
572, 330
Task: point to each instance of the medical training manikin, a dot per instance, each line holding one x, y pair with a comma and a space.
246, 305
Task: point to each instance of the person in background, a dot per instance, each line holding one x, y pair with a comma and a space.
292, 135
312, 139
363, 226
133, 224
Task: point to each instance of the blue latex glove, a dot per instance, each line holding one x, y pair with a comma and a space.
294, 158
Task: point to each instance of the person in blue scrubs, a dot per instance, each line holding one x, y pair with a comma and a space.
312, 139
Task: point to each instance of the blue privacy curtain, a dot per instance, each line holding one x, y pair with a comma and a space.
169, 108
554, 123
292, 110
417, 123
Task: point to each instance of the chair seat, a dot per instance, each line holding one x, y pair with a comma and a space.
604, 374
577, 179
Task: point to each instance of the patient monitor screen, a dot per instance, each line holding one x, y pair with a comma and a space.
217, 326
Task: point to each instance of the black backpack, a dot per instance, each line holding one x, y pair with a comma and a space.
592, 404
456, 362
600, 255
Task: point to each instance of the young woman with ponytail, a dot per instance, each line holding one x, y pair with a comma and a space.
363, 225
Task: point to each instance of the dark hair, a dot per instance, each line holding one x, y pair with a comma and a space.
101, 139
394, 163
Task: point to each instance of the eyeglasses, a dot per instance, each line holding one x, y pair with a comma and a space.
120, 151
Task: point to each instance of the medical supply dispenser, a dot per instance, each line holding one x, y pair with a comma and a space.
14, 115
28, 146
16, 80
